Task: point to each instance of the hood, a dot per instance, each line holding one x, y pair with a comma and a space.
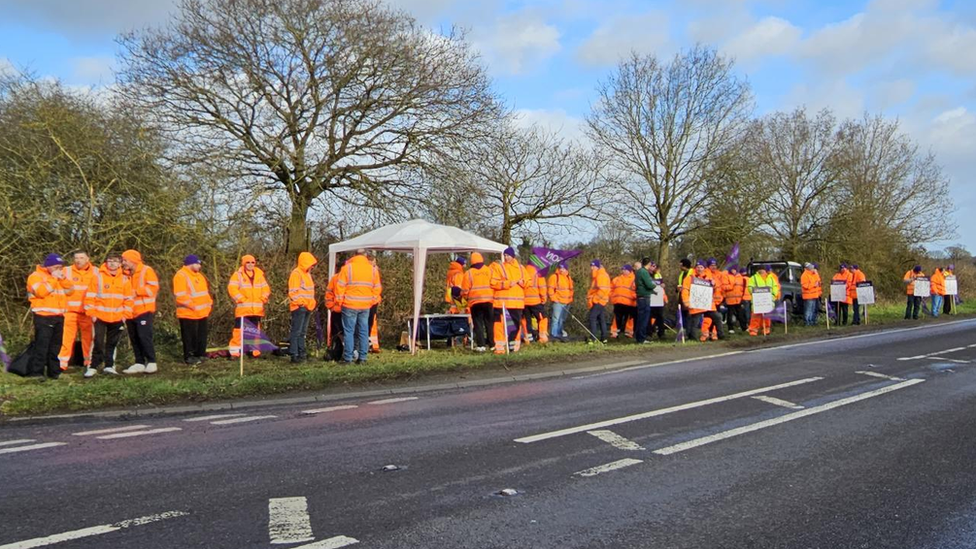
246, 259
477, 258
132, 256
306, 261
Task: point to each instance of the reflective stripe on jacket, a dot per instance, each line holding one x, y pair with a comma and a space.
600, 285
560, 288
192, 293
80, 278
249, 293
357, 284
535, 287
476, 286
507, 281
109, 297
623, 290
48, 295
301, 287
145, 286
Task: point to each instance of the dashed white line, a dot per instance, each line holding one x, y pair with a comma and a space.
13, 442
948, 351
140, 433
938, 354
617, 441
657, 364
880, 375
783, 419
392, 400
778, 402
113, 430
661, 412
331, 543
92, 531
952, 360
288, 521
241, 420
613, 466
210, 418
31, 447
330, 409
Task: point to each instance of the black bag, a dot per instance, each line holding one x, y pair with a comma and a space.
22, 362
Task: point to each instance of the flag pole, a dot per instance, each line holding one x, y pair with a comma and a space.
786, 319
505, 326
242, 347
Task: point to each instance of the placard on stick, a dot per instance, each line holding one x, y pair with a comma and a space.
762, 301
923, 287
838, 291
657, 296
865, 293
701, 294
951, 285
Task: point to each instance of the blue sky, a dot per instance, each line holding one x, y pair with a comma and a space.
910, 59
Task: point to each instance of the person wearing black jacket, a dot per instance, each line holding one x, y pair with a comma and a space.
645, 287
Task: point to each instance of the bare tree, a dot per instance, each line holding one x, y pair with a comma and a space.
664, 127
789, 158
310, 97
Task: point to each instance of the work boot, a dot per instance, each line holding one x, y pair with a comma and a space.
135, 369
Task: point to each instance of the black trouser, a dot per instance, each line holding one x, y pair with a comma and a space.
622, 314
516, 316
643, 320
857, 313
47, 345
141, 338
107, 336
913, 307
696, 320
193, 333
737, 315
481, 318
947, 304
336, 339
537, 312
657, 315
598, 321
843, 310
370, 320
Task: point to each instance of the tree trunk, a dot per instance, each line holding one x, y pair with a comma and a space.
298, 237
664, 257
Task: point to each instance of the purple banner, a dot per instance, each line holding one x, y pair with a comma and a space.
733, 257
543, 258
4, 357
256, 340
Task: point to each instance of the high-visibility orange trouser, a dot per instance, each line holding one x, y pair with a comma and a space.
760, 321
235, 340
535, 314
374, 337
73, 323
500, 332
628, 329
709, 328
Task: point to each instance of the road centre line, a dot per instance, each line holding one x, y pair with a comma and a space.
936, 354
209, 418
393, 400
140, 433
880, 375
92, 531
613, 466
331, 543
943, 359
661, 412
13, 442
860, 336
113, 430
245, 419
31, 447
617, 441
288, 521
778, 402
688, 445
330, 409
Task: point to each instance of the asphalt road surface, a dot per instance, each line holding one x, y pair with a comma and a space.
867, 441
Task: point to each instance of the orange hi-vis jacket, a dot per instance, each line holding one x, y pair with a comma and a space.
356, 284
909, 279
535, 287
718, 283
145, 285
623, 289
377, 288
109, 297
508, 284
250, 292
48, 295
476, 286
560, 288
454, 271
734, 289
600, 285
80, 278
811, 285
301, 287
938, 282
845, 276
686, 290
192, 292
856, 277
330, 295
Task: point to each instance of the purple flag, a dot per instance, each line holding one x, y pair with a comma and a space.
681, 327
733, 257
319, 334
256, 340
543, 258
4, 357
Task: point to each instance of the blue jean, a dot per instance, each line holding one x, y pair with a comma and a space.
936, 304
355, 328
643, 319
559, 313
810, 311
299, 327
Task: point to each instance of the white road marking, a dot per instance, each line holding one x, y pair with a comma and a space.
113, 430
973, 346
657, 364
907, 358
661, 412
240, 420
393, 400
880, 375
12, 442
331, 543
613, 466
31, 447
938, 353
948, 351
783, 419
615, 440
952, 360
330, 409
92, 531
288, 521
861, 336
778, 402
209, 418
140, 433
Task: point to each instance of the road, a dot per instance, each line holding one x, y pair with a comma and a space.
866, 441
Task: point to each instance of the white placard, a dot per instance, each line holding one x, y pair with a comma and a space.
701, 295
951, 286
657, 296
762, 301
923, 287
865, 293
838, 291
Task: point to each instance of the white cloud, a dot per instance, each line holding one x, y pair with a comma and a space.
769, 36
950, 46
616, 38
517, 42
94, 70
558, 121
886, 95
836, 95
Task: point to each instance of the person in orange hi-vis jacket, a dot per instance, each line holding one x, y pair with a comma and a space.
735, 291
535, 324
193, 306
561, 293
48, 290
109, 302
623, 296
454, 273
857, 276
75, 319
250, 291
301, 303
938, 290
811, 287
356, 293
334, 337
145, 286
476, 291
508, 287
914, 306
719, 282
597, 299
844, 275
701, 275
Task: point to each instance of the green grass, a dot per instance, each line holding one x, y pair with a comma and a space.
219, 379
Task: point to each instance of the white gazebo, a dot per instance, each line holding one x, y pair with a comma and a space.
420, 238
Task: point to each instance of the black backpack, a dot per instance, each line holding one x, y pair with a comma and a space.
22, 362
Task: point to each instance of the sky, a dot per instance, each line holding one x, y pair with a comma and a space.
914, 60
